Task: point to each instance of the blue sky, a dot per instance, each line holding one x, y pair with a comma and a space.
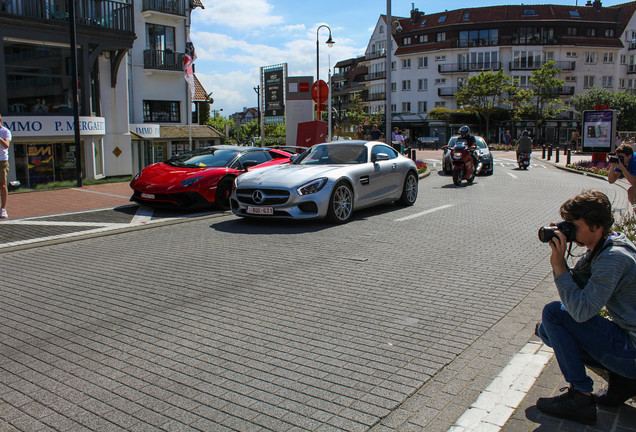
234, 38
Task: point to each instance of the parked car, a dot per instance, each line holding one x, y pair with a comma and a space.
483, 152
330, 181
202, 177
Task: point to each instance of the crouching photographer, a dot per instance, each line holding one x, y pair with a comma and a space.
624, 164
605, 276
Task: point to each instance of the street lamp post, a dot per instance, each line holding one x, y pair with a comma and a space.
330, 43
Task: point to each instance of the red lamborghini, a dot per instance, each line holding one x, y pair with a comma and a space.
200, 178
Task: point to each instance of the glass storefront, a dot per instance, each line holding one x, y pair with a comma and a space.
44, 163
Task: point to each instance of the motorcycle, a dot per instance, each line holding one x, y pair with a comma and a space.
463, 164
523, 160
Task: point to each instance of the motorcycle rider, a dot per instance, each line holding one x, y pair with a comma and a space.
464, 134
524, 144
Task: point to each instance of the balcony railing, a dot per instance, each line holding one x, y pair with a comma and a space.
375, 76
375, 54
163, 59
562, 91
174, 7
110, 14
468, 67
632, 44
374, 97
447, 91
563, 65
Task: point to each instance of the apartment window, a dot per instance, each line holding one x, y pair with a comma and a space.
621, 83
484, 37
591, 32
393, 86
440, 37
407, 41
571, 54
406, 63
590, 57
466, 16
526, 59
422, 62
393, 65
440, 104
423, 23
422, 84
529, 12
423, 38
608, 58
393, 108
609, 32
160, 38
381, 30
522, 81
532, 35
439, 81
442, 19
570, 78
572, 31
574, 14
440, 58
588, 81
607, 81
421, 107
623, 59
406, 85
406, 107
162, 111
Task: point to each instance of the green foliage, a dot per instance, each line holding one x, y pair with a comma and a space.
546, 102
627, 225
623, 102
355, 113
439, 113
219, 123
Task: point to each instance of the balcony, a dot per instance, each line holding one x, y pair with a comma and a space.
631, 69
375, 54
468, 67
374, 97
447, 91
108, 14
173, 7
163, 60
632, 45
563, 65
562, 91
375, 76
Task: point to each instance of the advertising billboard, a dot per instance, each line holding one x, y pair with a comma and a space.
599, 131
273, 84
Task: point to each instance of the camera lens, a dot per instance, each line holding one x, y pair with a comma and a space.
546, 233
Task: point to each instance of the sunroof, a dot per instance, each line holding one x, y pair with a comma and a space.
442, 19
575, 14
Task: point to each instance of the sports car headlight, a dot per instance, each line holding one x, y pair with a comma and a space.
312, 187
190, 181
137, 175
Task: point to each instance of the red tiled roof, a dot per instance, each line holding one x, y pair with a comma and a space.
200, 95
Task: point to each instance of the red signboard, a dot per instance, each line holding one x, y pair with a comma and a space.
324, 91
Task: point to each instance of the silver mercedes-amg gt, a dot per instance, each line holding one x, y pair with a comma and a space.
330, 181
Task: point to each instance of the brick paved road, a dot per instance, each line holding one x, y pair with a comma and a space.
395, 321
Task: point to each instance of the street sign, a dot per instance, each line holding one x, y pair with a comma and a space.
319, 87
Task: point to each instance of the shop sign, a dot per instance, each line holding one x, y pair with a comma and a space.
34, 126
146, 130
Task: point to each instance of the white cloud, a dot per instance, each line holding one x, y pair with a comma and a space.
242, 14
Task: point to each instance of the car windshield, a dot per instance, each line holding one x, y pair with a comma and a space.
209, 157
326, 154
479, 142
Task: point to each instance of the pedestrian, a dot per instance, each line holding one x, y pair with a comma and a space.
576, 136
625, 165
394, 134
604, 276
507, 138
5, 140
376, 134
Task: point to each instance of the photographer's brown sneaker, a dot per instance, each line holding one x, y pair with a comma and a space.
572, 405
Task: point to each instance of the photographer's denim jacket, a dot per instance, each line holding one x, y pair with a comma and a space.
609, 279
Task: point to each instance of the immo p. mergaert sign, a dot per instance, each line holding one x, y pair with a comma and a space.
39, 126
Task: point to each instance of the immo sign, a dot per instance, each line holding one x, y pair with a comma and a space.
53, 126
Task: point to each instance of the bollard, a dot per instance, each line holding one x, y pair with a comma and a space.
565, 149
543, 153
549, 153
556, 156
569, 158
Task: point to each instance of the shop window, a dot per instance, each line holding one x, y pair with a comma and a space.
162, 111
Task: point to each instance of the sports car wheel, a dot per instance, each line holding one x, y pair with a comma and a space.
223, 192
409, 191
340, 204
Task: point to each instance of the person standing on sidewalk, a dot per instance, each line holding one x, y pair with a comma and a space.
576, 136
604, 277
626, 166
5, 141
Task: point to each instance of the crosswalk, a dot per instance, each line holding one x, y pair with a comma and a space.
503, 162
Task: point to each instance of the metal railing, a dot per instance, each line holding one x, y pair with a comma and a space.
110, 14
447, 91
468, 67
563, 65
375, 76
174, 7
163, 59
375, 54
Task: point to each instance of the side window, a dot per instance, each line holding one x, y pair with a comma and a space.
258, 156
383, 149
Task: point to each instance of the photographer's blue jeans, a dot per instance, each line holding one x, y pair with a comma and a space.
597, 342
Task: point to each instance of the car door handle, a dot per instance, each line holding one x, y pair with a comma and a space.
394, 165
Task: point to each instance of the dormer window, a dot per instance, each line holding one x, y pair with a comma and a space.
574, 14
442, 19
529, 12
466, 16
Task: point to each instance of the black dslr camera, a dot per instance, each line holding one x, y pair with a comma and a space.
567, 228
615, 159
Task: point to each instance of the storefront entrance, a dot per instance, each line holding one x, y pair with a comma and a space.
44, 163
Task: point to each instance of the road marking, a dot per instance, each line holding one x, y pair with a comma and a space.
512, 175
100, 193
495, 405
425, 212
143, 215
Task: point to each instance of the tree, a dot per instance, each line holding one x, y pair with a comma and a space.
483, 93
219, 123
623, 102
546, 101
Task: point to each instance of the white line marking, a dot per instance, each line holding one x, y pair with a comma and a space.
512, 175
495, 405
101, 193
425, 212
143, 215
63, 223
506, 159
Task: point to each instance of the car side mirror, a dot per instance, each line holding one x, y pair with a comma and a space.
249, 164
380, 157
